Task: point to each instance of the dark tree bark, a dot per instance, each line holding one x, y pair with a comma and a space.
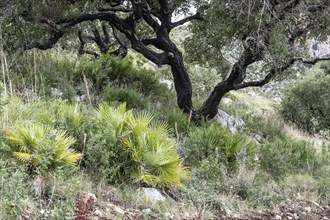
182, 82
104, 43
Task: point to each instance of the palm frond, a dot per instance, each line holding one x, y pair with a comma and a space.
42, 146
26, 138
149, 179
140, 122
23, 157
159, 127
62, 141
70, 158
112, 116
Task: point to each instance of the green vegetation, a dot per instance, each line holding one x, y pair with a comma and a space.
41, 149
133, 146
217, 144
306, 104
55, 149
105, 103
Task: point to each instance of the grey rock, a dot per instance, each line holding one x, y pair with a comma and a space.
308, 209
278, 217
152, 195
168, 83
229, 121
226, 101
80, 99
56, 92
116, 209
147, 211
295, 216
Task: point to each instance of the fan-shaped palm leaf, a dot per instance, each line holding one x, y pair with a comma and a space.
23, 157
41, 145
140, 122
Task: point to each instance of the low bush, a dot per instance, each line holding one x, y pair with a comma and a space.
306, 103
39, 72
133, 98
269, 126
282, 157
121, 72
39, 112
217, 143
48, 74
15, 191
177, 120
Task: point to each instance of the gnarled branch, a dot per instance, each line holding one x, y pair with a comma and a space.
274, 71
196, 16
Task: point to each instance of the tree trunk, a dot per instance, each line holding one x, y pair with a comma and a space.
210, 106
236, 76
182, 82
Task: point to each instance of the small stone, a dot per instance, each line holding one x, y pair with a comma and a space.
153, 195
308, 209
226, 101
116, 209
289, 217
119, 210
98, 212
228, 211
169, 215
147, 211
186, 215
91, 195
295, 216
278, 217
298, 196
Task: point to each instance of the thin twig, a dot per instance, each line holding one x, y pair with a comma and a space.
87, 89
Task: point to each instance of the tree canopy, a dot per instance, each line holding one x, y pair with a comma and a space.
269, 31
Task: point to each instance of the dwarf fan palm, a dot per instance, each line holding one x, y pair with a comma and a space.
145, 151
41, 148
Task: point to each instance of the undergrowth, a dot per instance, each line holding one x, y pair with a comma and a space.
145, 143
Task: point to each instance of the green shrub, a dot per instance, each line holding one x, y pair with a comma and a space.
69, 117
15, 192
270, 126
39, 112
306, 103
177, 120
215, 142
133, 98
120, 72
65, 190
41, 149
41, 71
132, 146
210, 169
282, 157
